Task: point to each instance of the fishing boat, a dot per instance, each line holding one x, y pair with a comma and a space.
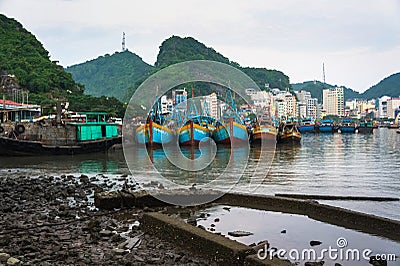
197, 127
348, 126
264, 128
365, 127
231, 130
307, 125
326, 126
55, 137
264, 132
154, 132
288, 132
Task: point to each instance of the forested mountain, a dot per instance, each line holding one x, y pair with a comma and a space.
316, 88
389, 86
23, 56
176, 49
110, 75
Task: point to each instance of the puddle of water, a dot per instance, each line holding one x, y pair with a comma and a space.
294, 232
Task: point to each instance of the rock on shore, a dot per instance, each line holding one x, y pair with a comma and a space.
51, 220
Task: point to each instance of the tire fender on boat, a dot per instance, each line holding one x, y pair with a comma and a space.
1, 129
20, 129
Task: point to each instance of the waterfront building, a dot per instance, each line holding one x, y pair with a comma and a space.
167, 105
13, 111
382, 106
212, 104
333, 101
291, 105
303, 96
393, 104
312, 107
302, 109
179, 96
280, 108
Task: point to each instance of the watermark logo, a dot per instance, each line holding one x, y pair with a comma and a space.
340, 252
192, 168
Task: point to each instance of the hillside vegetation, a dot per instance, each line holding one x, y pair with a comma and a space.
176, 49
25, 57
389, 86
316, 88
110, 75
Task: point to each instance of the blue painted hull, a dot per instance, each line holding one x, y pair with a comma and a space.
307, 128
154, 134
199, 133
348, 129
221, 135
326, 129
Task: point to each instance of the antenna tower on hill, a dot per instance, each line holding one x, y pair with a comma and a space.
123, 42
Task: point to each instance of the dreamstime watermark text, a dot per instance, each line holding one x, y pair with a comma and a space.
338, 253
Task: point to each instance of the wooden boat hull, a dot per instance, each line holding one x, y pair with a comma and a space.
17, 147
365, 130
231, 133
264, 133
192, 133
326, 129
153, 134
289, 137
306, 128
348, 129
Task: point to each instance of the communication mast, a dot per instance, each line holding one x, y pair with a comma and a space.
123, 42
323, 72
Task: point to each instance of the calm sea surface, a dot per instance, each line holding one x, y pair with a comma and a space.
339, 164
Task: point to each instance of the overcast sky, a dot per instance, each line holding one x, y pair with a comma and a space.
358, 40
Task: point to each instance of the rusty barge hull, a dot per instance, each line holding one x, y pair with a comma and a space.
13, 147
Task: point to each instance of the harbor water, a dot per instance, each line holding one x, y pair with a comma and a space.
327, 164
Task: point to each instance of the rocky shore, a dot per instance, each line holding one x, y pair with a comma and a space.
51, 220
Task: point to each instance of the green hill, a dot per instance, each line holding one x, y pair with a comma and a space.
25, 57
176, 49
110, 75
316, 88
389, 86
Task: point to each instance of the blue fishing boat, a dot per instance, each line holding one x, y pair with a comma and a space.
307, 125
231, 130
154, 133
326, 126
348, 126
194, 131
196, 127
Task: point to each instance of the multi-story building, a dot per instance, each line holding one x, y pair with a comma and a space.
302, 96
382, 107
212, 104
333, 101
393, 104
179, 96
280, 108
291, 105
312, 107
302, 109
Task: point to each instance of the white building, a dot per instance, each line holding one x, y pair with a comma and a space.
382, 107
302, 109
333, 101
393, 104
312, 107
212, 104
302, 96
